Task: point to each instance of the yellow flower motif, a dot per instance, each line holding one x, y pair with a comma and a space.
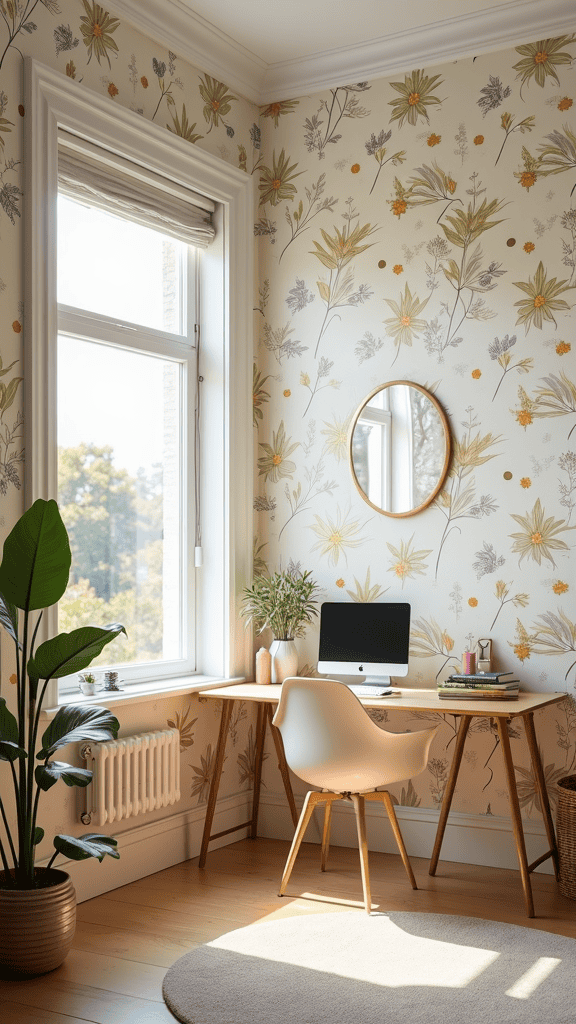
522, 651
276, 110
287, 393
478, 140
71, 69
451, 185
433, 139
112, 90
16, 326
560, 587
13, 679
405, 325
217, 101
542, 300
527, 179
525, 482
539, 536
336, 434
97, 27
473, 602
524, 417
144, 82
540, 59
336, 535
355, 168
565, 103
529, 246
274, 465
563, 347
476, 374
399, 207
276, 181
397, 269
415, 96
340, 583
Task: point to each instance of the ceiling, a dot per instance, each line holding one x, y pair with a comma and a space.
273, 49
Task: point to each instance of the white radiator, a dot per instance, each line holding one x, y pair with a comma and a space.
132, 775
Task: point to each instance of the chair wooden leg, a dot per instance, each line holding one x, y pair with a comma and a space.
326, 835
358, 802
312, 799
386, 800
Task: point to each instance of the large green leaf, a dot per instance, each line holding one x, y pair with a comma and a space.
36, 559
10, 751
71, 652
38, 835
8, 724
9, 618
89, 845
47, 775
73, 723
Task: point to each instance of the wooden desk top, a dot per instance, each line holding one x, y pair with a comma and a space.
409, 700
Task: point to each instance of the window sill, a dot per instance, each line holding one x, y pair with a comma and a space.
143, 693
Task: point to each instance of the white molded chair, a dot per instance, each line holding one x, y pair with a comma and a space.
331, 742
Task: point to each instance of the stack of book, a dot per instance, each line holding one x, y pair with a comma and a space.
480, 686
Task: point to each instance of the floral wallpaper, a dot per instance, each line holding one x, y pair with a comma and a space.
424, 228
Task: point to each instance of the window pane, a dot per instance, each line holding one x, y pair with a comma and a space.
119, 269
119, 491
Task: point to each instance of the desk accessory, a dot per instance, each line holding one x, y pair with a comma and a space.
285, 603
468, 663
263, 667
484, 655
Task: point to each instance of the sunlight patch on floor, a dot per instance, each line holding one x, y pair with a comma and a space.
527, 984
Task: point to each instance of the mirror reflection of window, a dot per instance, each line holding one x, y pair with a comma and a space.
399, 448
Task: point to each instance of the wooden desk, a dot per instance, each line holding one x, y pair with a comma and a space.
266, 697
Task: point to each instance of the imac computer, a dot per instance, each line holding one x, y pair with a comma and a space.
365, 639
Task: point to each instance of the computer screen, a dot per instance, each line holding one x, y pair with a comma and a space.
358, 639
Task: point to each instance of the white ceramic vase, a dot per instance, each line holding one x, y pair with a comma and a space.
284, 659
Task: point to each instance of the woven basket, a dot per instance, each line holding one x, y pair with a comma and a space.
566, 829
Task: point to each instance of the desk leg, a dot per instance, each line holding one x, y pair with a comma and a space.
449, 792
227, 706
541, 786
282, 765
516, 816
258, 754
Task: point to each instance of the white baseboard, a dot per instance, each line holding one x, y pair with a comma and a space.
144, 849
469, 838
159, 844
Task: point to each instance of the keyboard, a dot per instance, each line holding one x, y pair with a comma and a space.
370, 691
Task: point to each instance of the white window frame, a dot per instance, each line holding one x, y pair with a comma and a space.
223, 646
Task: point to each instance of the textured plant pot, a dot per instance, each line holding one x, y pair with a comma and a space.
37, 925
284, 659
566, 835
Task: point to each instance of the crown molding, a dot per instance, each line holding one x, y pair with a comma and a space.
192, 37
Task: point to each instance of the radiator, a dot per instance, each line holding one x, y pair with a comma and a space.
132, 775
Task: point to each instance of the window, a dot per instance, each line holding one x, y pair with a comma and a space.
126, 364
125, 370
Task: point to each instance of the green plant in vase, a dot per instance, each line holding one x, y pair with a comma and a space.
286, 603
33, 576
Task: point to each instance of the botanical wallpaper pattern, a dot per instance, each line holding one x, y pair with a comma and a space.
422, 228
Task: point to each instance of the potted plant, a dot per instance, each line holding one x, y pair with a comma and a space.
286, 604
37, 904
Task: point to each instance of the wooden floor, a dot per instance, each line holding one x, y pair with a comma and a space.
126, 939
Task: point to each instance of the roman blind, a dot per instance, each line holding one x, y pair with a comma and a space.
103, 179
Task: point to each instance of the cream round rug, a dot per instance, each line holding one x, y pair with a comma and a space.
352, 968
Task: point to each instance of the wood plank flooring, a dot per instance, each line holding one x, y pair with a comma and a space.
127, 938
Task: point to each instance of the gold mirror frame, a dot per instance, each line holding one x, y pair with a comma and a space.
447, 448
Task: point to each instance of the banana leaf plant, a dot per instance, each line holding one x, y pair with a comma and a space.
33, 576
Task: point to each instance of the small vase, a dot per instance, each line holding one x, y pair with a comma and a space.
284, 659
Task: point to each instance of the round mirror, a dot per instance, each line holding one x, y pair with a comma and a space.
399, 448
